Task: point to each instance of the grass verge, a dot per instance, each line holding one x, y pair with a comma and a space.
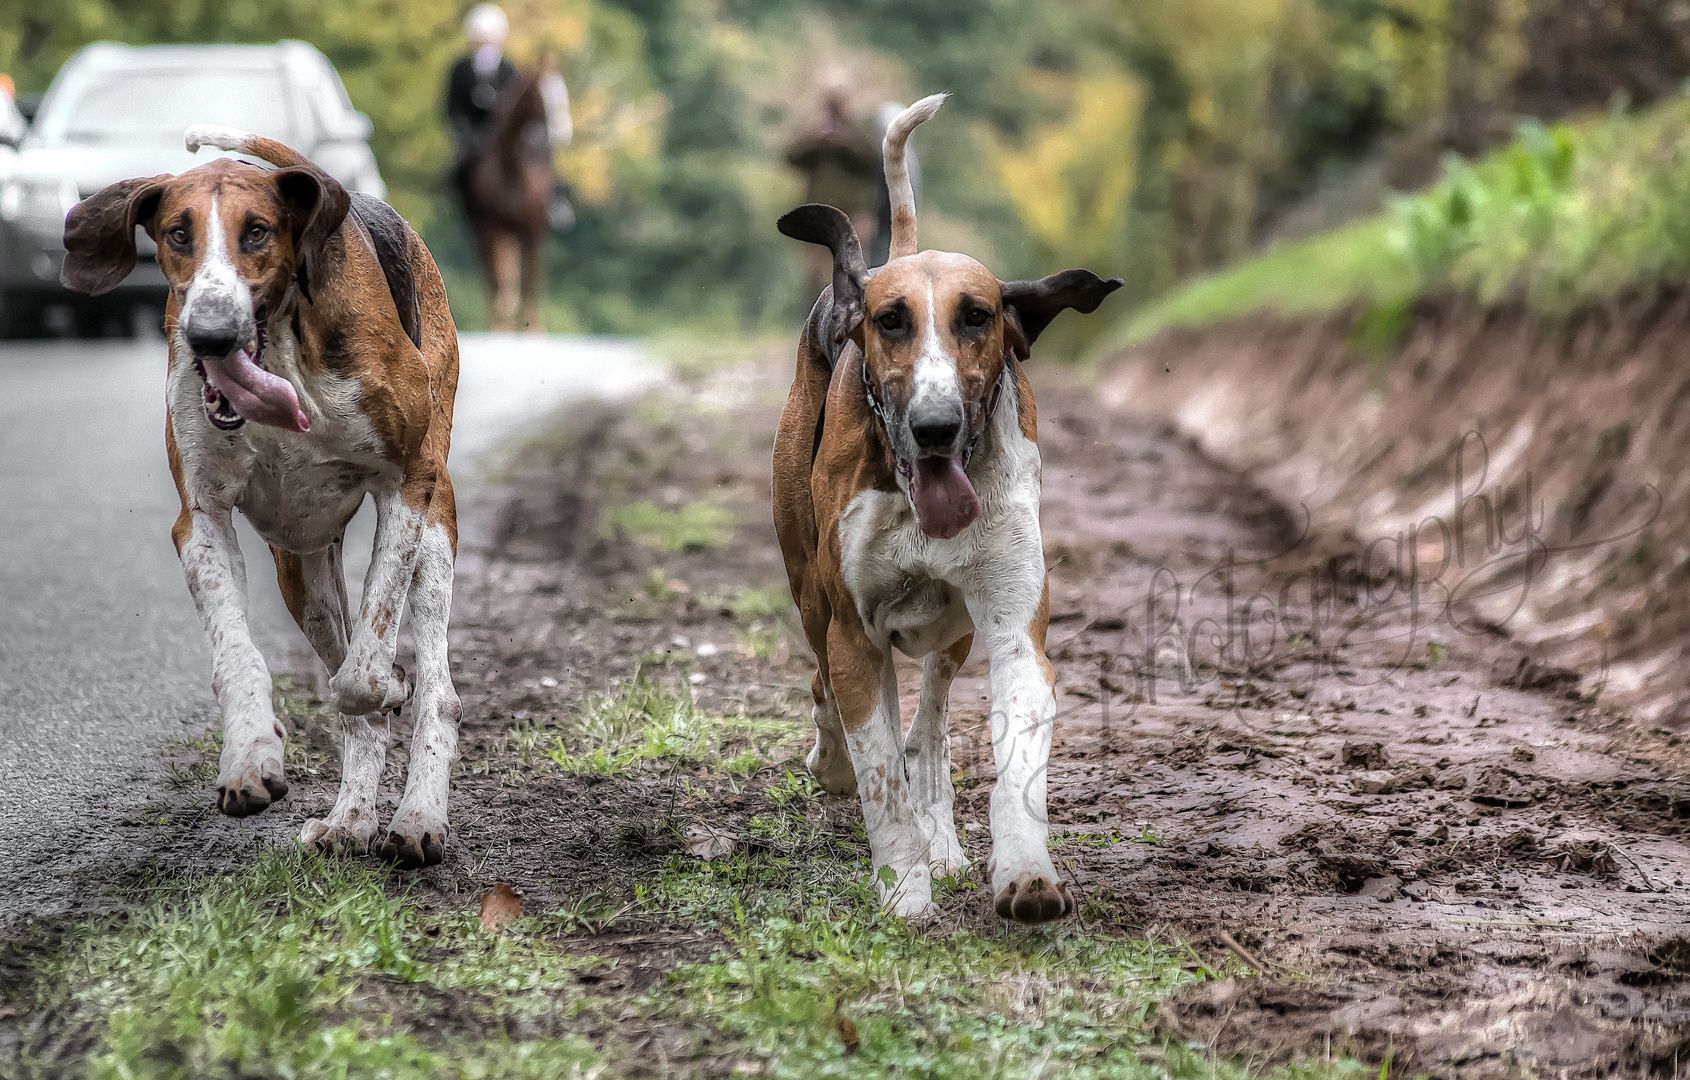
1562, 218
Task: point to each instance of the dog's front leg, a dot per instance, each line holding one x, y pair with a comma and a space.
367, 681
249, 773
1024, 881
866, 688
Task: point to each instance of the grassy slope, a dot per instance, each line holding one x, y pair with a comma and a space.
1559, 219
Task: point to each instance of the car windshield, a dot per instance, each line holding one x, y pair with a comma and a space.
156, 105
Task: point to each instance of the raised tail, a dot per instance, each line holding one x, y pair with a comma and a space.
242, 142
898, 172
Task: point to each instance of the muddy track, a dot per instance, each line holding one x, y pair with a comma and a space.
1434, 851
1429, 849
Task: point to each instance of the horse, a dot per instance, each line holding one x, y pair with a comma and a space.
508, 197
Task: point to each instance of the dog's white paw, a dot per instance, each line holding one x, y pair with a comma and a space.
250, 775
416, 837
910, 894
944, 849
1031, 892
350, 831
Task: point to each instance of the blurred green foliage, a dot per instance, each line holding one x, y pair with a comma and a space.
1563, 217
1147, 138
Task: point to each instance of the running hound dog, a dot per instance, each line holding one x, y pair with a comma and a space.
312, 361
906, 494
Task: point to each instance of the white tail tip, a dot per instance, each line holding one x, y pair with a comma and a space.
223, 138
899, 132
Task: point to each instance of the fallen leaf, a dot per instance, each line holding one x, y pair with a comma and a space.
703, 842
847, 1029
499, 905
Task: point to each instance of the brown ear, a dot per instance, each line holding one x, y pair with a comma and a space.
818, 223
1031, 305
318, 205
100, 234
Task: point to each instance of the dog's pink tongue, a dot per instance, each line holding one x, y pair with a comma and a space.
943, 498
255, 393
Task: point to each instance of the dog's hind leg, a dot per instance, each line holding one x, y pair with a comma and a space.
829, 761
866, 687
927, 752
417, 834
249, 773
314, 586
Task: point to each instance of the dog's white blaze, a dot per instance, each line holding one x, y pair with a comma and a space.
215, 277
935, 368
922, 594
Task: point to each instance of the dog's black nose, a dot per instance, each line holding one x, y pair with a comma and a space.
212, 337
936, 427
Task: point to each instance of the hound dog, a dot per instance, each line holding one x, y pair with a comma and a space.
906, 493
312, 361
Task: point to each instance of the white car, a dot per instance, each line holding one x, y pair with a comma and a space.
118, 111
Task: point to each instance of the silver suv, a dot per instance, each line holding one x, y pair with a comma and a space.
115, 112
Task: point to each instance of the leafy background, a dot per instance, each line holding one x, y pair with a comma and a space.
1154, 139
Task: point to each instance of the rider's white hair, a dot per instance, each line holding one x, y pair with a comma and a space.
486, 25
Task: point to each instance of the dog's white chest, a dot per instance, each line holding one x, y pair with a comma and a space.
298, 489
918, 593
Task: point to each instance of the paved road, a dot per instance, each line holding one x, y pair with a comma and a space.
101, 652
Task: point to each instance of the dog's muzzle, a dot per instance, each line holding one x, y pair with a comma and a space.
228, 354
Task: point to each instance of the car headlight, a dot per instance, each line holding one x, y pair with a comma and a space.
38, 200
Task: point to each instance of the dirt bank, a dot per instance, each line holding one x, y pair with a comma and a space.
1475, 419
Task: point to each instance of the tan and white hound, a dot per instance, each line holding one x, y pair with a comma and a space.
313, 361
906, 492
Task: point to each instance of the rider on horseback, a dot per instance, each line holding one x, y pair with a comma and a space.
472, 90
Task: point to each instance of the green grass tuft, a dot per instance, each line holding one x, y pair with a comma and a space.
703, 525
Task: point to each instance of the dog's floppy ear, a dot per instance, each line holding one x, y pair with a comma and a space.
817, 223
100, 234
318, 205
1029, 306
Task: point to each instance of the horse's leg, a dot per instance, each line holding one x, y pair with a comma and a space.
505, 282
533, 248
487, 251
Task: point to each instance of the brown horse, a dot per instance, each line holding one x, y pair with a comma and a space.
509, 193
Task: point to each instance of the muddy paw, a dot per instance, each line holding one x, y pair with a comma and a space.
412, 852
331, 836
251, 779
1032, 898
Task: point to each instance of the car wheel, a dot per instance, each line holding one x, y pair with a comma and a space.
19, 319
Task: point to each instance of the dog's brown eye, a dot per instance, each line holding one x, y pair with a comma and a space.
179, 236
889, 321
257, 234
976, 317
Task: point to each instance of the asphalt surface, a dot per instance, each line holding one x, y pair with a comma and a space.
102, 657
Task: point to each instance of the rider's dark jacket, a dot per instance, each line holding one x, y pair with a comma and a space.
469, 102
